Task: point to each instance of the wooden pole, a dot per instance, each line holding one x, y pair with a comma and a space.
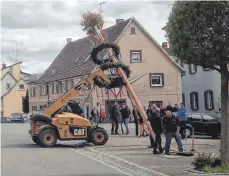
130, 89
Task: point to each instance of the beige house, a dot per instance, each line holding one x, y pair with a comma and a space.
161, 83
13, 87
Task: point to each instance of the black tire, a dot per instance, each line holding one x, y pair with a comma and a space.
48, 137
35, 140
188, 132
99, 136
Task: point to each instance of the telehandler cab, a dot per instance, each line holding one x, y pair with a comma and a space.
54, 124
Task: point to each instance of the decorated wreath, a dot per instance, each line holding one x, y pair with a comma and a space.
96, 50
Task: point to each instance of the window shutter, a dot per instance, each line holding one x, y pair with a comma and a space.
183, 99
66, 85
212, 97
191, 101
205, 100
34, 91
197, 101
53, 88
57, 87
40, 90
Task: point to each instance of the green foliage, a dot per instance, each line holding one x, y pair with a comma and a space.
25, 102
198, 32
90, 20
202, 160
219, 169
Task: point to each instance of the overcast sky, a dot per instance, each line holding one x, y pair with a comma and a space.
39, 29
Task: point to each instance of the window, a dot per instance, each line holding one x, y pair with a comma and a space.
209, 100
194, 101
196, 117
183, 99
192, 69
157, 103
42, 90
21, 87
156, 79
33, 92
63, 86
42, 107
135, 56
34, 108
132, 31
8, 86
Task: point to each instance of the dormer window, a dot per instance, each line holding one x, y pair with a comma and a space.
132, 31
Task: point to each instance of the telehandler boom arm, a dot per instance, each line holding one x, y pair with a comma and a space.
63, 100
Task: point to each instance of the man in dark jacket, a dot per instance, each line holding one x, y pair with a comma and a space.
155, 121
172, 128
114, 118
125, 112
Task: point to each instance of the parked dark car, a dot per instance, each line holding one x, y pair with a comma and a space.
17, 117
203, 125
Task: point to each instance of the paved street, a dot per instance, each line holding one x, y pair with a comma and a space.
122, 155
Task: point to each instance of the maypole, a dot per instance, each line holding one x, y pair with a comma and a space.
92, 23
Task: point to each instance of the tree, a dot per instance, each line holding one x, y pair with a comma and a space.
198, 33
25, 102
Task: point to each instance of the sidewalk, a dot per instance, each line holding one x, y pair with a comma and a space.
136, 150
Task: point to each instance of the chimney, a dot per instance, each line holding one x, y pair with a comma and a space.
3, 65
119, 21
165, 46
69, 40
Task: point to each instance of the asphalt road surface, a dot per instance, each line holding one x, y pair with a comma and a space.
20, 156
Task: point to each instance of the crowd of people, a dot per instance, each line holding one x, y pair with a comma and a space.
164, 120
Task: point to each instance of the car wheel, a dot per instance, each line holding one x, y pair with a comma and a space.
188, 132
48, 137
99, 136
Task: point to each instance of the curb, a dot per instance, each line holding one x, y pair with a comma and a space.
192, 171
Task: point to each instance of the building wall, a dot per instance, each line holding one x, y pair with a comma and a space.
13, 100
200, 82
40, 100
7, 79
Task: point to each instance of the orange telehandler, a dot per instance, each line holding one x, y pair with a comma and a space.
54, 124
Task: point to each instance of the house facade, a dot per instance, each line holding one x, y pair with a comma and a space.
160, 84
202, 90
13, 87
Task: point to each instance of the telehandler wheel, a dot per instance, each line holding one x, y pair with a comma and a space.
99, 136
47, 137
35, 140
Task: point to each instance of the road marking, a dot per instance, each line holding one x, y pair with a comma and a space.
119, 164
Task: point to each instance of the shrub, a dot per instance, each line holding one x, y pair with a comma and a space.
202, 160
